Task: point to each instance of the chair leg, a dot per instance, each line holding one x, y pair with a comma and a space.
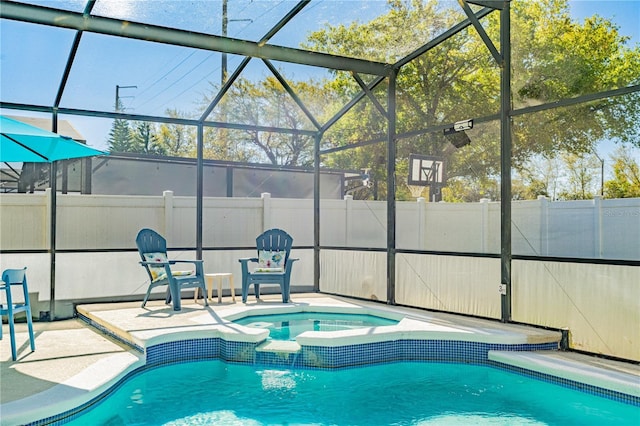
204, 294
12, 335
245, 290
286, 293
174, 292
32, 339
146, 298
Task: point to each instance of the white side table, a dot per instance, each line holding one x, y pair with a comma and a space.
210, 278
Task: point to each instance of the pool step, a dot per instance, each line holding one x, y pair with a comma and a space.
625, 379
279, 346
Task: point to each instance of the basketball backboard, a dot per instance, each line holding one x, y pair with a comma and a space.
426, 170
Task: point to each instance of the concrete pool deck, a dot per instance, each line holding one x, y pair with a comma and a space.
75, 362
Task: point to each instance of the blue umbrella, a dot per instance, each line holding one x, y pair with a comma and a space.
25, 143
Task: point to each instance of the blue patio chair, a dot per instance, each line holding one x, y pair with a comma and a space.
274, 264
153, 252
16, 277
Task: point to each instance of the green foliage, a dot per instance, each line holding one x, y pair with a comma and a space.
626, 182
145, 139
581, 181
266, 104
176, 140
120, 137
553, 58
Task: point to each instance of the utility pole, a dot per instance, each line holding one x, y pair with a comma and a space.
118, 97
601, 172
225, 24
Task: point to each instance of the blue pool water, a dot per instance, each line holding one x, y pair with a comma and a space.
410, 393
288, 326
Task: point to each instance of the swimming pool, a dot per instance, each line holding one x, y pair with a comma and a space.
289, 326
407, 393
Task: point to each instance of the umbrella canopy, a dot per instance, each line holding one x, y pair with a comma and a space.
22, 142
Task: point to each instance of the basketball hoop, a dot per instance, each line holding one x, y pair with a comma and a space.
416, 190
426, 171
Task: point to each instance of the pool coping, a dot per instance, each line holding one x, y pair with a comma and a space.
88, 385
546, 362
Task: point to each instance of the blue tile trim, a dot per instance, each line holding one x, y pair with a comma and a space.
406, 350
183, 351
317, 357
571, 384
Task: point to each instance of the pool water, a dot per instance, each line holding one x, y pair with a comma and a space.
288, 326
408, 393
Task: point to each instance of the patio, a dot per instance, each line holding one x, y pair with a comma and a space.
490, 252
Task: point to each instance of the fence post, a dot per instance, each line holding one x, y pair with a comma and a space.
348, 216
484, 237
266, 210
597, 226
168, 214
48, 201
421, 226
544, 225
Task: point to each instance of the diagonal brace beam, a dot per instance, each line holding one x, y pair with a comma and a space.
292, 93
277, 27
72, 54
483, 34
155, 33
369, 93
353, 102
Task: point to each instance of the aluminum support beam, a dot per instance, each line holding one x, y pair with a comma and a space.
369, 94
72, 54
439, 39
391, 191
481, 32
199, 189
505, 164
292, 93
154, 33
53, 185
228, 83
316, 212
487, 3
353, 102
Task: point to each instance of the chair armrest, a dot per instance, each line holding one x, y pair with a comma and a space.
199, 264
195, 262
289, 263
151, 263
248, 259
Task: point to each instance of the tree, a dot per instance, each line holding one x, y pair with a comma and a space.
580, 179
268, 104
144, 139
540, 175
120, 139
553, 58
176, 140
626, 182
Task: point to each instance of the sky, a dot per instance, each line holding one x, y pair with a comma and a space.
148, 78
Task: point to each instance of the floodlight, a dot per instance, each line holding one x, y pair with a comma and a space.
456, 134
460, 126
459, 139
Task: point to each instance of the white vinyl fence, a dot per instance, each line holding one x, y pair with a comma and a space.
599, 303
